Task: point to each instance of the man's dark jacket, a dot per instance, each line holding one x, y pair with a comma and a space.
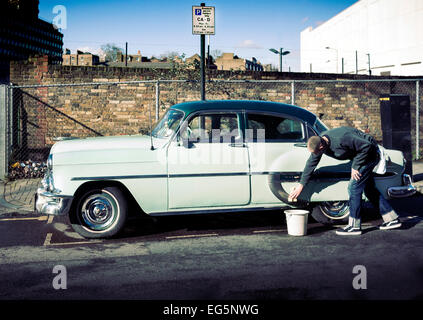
345, 143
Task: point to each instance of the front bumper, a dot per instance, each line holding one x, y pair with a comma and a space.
51, 203
406, 190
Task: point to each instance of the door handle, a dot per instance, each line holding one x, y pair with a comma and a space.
237, 145
301, 145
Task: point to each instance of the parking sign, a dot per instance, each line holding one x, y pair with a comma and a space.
202, 20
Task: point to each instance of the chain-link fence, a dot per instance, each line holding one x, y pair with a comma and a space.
35, 117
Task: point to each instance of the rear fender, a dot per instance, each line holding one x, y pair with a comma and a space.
330, 180
328, 183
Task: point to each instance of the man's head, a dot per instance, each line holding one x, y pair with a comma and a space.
316, 145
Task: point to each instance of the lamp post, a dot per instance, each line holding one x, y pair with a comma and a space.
280, 53
329, 48
368, 59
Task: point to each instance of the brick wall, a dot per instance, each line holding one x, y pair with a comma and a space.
110, 109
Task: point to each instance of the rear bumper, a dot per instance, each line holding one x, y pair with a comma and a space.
406, 190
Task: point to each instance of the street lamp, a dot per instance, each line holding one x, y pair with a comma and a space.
368, 59
280, 53
329, 48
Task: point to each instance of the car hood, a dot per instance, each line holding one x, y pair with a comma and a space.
115, 149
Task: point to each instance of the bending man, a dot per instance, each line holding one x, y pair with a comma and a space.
348, 143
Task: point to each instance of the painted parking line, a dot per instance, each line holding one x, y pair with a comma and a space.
47, 242
73, 243
193, 236
269, 231
42, 218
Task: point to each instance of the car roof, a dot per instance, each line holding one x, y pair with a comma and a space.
247, 105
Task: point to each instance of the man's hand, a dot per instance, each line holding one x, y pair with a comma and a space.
355, 174
295, 193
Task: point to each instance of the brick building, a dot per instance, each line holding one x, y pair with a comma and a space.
229, 61
194, 62
132, 58
80, 59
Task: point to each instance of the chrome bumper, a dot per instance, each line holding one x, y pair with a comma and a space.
50, 203
403, 191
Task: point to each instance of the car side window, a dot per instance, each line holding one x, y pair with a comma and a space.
212, 128
272, 128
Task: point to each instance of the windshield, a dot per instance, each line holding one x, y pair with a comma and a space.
168, 124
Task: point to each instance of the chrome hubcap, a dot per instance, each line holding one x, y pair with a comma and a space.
99, 211
335, 210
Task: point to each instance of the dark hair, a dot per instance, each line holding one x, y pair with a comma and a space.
313, 143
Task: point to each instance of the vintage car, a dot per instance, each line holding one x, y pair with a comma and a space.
202, 157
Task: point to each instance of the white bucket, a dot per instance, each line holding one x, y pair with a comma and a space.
296, 220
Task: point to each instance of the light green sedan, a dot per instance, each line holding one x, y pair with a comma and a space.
202, 157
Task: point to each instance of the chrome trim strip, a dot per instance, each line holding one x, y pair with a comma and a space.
284, 176
188, 175
119, 177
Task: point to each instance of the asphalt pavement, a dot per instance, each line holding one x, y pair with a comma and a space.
18, 196
248, 256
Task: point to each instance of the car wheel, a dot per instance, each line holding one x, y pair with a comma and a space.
331, 212
100, 213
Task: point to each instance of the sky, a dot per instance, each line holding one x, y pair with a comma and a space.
247, 28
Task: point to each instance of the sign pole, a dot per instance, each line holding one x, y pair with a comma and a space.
202, 67
203, 24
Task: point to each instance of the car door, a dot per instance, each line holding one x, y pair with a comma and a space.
278, 152
276, 145
208, 163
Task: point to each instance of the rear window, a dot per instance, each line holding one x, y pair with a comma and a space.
273, 128
319, 126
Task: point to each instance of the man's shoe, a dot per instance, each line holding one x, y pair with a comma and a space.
349, 231
390, 225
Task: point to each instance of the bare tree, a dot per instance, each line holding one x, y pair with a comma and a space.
216, 53
171, 55
110, 50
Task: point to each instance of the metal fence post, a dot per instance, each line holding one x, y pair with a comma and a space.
417, 119
157, 99
3, 128
11, 140
293, 92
